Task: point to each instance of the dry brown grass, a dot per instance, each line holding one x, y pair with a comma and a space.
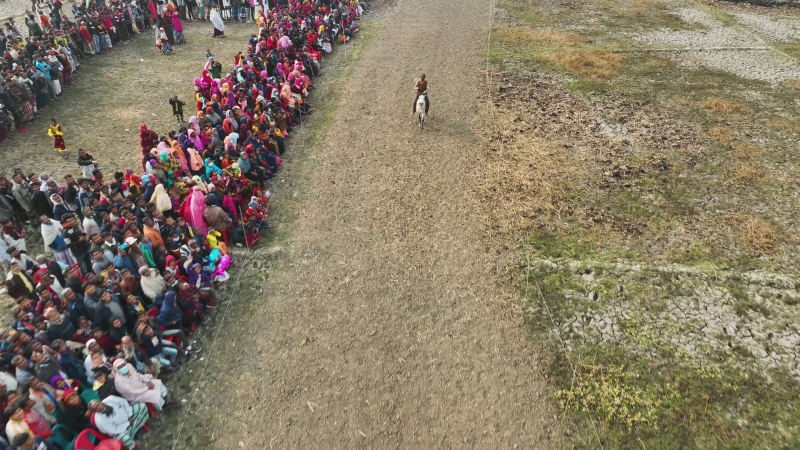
747, 150
681, 101
747, 173
524, 177
785, 125
756, 233
534, 36
719, 105
721, 135
589, 63
640, 6
657, 62
793, 84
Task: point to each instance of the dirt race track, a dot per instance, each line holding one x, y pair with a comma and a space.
382, 324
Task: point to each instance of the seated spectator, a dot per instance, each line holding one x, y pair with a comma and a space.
137, 387
74, 411
117, 418
25, 441
154, 347
103, 385
44, 401
37, 424
16, 423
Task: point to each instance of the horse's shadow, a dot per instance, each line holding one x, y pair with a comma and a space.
442, 125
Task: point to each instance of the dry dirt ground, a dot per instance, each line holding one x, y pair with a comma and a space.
382, 323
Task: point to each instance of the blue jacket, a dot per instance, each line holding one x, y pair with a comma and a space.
123, 261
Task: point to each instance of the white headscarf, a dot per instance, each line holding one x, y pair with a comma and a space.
161, 198
50, 231
151, 282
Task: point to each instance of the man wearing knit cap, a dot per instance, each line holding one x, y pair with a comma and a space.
91, 347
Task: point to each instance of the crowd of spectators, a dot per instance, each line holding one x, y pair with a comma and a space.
132, 263
41, 56
41, 59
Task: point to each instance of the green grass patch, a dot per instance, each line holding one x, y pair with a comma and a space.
578, 243
714, 203
792, 49
718, 14
585, 87
642, 15
672, 402
523, 12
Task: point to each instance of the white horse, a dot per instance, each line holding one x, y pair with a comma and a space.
421, 110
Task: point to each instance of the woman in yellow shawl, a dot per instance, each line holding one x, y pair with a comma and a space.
177, 153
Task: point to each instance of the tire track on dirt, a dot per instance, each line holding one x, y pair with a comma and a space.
383, 325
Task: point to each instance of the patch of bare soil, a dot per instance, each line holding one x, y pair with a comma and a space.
384, 322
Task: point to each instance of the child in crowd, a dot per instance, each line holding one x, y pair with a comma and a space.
57, 133
162, 42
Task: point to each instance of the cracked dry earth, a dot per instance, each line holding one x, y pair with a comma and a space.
383, 323
700, 310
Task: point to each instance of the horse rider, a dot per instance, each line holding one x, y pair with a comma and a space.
422, 89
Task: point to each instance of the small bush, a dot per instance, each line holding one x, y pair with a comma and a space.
611, 391
747, 150
785, 125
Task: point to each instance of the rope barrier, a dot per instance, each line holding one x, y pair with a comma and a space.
248, 257
543, 301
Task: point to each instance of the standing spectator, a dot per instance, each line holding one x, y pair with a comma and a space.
177, 108
77, 242
86, 163
177, 26
86, 36
23, 194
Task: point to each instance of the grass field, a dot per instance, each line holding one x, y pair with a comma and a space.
655, 197
114, 93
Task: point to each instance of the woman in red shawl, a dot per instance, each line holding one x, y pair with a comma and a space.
87, 38
153, 13
147, 139
67, 67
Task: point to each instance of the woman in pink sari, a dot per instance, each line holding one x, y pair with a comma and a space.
192, 135
194, 208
